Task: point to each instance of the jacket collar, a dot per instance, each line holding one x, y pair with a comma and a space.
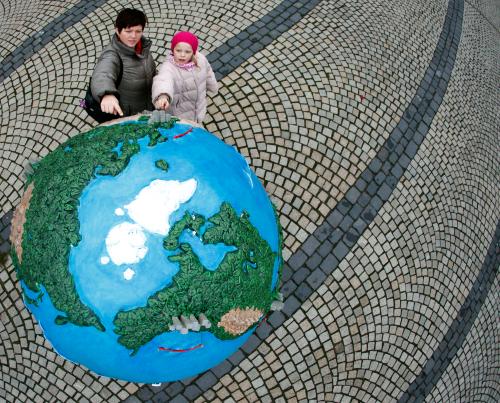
125, 50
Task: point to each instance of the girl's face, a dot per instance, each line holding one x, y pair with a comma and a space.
130, 36
183, 53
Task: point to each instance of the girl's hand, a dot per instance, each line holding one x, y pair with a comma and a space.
110, 104
162, 102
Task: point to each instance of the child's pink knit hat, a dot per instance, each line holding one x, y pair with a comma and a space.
187, 37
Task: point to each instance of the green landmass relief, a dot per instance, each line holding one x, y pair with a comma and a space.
52, 225
162, 164
242, 279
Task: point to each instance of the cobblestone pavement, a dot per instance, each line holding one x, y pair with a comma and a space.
374, 127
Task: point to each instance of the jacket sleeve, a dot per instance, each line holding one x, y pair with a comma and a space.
154, 66
163, 82
212, 86
105, 75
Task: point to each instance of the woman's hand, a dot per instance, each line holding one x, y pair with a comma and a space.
110, 104
162, 102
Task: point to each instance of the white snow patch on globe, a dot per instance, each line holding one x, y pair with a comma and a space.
128, 274
154, 204
119, 211
104, 260
126, 243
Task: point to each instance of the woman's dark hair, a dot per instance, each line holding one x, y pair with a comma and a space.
130, 17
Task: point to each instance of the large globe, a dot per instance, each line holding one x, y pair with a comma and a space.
147, 252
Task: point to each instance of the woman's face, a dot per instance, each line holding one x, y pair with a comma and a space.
183, 53
130, 36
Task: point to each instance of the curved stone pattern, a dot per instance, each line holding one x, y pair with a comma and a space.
482, 386
25, 19
307, 123
374, 127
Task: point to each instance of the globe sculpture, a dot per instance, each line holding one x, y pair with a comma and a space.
147, 251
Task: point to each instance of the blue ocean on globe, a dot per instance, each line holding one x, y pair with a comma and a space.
217, 173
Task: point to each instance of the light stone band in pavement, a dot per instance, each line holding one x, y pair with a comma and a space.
317, 106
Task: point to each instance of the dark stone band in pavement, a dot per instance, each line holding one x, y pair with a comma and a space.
4, 233
321, 253
241, 47
458, 330
48, 33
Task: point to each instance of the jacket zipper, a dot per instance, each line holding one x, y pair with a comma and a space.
196, 101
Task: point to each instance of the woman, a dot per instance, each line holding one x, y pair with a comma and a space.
123, 76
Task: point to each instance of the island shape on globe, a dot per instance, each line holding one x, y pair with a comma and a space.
147, 252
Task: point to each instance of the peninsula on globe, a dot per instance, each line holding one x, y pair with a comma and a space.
241, 281
130, 242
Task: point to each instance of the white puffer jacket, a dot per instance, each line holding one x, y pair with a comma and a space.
186, 89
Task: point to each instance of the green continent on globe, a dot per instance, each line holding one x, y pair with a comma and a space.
51, 224
242, 280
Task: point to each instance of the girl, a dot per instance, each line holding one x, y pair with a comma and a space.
183, 80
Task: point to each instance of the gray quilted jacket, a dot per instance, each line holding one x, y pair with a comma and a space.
186, 89
134, 90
